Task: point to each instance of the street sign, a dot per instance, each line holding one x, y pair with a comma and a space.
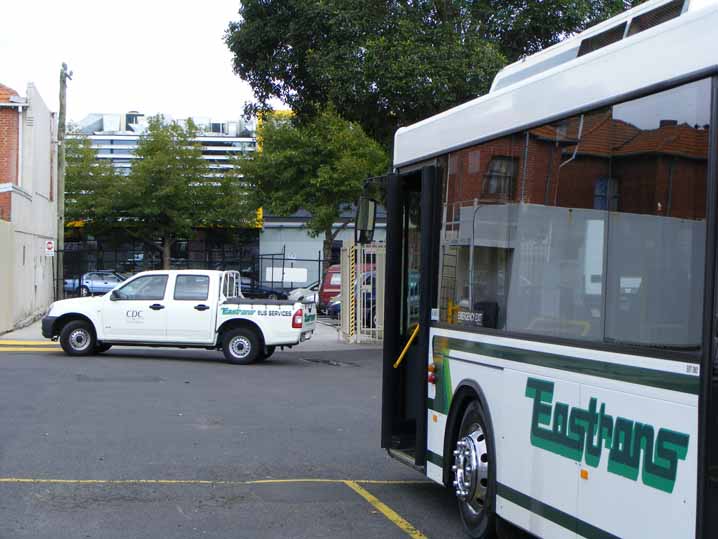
49, 247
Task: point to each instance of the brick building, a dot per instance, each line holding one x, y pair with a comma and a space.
28, 207
610, 164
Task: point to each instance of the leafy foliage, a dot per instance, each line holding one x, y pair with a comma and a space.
319, 166
169, 192
90, 187
385, 64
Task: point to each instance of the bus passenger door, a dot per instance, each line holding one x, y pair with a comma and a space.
413, 226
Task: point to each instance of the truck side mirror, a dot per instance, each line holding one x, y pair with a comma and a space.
114, 296
365, 220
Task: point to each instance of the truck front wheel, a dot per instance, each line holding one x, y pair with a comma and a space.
77, 338
240, 346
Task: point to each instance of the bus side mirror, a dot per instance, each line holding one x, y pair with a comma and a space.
365, 220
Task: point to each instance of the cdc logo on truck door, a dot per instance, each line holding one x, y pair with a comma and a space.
134, 316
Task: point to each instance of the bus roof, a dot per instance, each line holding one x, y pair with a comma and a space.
640, 48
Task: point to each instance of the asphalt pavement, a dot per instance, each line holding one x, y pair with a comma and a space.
177, 443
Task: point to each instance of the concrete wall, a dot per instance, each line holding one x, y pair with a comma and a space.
29, 287
35, 217
7, 271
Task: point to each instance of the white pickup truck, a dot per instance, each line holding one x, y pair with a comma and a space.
185, 309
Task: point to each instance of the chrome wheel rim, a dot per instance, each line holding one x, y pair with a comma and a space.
240, 347
84, 292
471, 469
80, 339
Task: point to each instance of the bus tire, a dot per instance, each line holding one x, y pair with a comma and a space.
474, 473
77, 338
241, 346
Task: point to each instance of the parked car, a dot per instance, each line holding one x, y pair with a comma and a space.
369, 303
334, 309
94, 282
253, 289
368, 289
309, 293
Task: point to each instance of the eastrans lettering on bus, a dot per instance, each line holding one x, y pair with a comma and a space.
582, 434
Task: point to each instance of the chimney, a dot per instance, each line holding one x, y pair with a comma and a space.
668, 123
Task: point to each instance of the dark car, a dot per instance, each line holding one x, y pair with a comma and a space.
94, 282
253, 289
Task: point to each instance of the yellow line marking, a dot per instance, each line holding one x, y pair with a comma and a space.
281, 481
392, 482
387, 511
200, 481
28, 349
30, 343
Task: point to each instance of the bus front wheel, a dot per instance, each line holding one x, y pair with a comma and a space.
474, 473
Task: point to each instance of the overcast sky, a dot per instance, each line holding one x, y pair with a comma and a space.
153, 56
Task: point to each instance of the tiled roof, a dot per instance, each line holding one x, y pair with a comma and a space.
681, 140
604, 136
5, 93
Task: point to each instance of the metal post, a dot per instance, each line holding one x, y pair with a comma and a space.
64, 76
471, 256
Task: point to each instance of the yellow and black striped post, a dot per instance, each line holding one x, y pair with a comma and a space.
352, 295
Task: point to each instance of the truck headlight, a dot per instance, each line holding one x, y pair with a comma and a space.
49, 309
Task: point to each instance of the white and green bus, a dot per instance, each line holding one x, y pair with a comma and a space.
562, 229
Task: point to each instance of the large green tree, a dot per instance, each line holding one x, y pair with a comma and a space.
170, 190
385, 64
91, 187
319, 166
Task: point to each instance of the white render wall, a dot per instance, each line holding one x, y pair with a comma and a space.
300, 245
29, 288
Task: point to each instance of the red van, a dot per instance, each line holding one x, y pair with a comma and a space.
332, 284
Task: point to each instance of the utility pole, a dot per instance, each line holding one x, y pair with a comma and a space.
64, 76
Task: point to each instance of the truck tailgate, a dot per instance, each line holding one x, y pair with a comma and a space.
310, 317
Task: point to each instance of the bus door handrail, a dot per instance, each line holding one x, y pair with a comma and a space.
406, 347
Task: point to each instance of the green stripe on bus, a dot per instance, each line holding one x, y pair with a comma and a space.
430, 404
434, 459
683, 383
556, 516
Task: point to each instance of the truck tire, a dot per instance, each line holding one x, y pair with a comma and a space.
474, 473
77, 338
241, 346
268, 351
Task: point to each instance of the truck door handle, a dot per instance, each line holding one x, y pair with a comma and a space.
201, 307
156, 307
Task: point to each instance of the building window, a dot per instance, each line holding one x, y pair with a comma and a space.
500, 176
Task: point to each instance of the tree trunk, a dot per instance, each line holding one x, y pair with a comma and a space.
327, 250
166, 253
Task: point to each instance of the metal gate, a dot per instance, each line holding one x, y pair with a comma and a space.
362, 293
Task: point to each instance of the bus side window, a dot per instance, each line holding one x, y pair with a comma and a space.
589, 228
